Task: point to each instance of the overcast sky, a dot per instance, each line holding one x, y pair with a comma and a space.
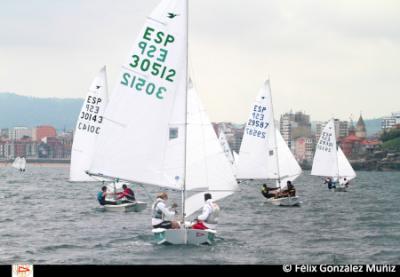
327, 58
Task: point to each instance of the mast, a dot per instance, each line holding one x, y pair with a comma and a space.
276, 145
337, 158
186, 114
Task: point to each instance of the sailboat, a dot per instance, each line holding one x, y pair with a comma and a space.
156, 132
263, 152
88, 127
229, 154
19, 163
225, 147
329, 159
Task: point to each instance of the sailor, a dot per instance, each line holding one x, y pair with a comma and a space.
209, 217
290, 191
269, 192
329, 182
127, 193
346, 182
101, 197
162, 215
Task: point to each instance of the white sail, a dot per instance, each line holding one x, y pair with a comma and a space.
289, 168
16, 163
207, 166
145, 118
225, 146
235, 157
22, 163
19, 163
325, 161
196, 201
257, 156
88, 127
345, 169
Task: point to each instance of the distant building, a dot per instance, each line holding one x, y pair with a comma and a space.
43, 131
19, 132
341, 128
361, 131
355, 143
304, 149
233, 133
293, 126
4, 133
390, 121
370, 146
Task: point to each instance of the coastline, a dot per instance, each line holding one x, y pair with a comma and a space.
39, 162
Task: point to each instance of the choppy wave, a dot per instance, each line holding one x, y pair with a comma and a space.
45, 219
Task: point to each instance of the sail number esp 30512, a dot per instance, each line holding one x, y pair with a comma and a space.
151, 59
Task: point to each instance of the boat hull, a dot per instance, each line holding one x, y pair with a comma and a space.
285, 201
126, 207
184, 236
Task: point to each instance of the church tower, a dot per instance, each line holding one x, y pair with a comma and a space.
361, 132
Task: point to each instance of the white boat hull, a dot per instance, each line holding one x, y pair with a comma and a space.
126, 207
285, 201
184, 236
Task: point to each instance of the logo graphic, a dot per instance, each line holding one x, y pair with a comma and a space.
97, 87
172, 15
22, 270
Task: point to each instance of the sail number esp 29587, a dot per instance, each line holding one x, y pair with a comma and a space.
256, 125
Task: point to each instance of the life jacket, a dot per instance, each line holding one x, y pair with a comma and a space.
213, 216
131, 194
157, 213
100, 197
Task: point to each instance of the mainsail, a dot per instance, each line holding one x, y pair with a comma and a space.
263, 152
88, 127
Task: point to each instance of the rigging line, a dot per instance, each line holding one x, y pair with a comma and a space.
147, 193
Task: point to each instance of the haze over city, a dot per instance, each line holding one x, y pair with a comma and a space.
325, 58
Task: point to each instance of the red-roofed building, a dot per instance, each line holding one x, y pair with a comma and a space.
370, 145
43, 131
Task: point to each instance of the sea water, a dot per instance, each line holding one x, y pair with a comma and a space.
44, 219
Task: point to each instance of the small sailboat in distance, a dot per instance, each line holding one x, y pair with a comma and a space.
19, 163
264, 154
329, 160
230, 155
